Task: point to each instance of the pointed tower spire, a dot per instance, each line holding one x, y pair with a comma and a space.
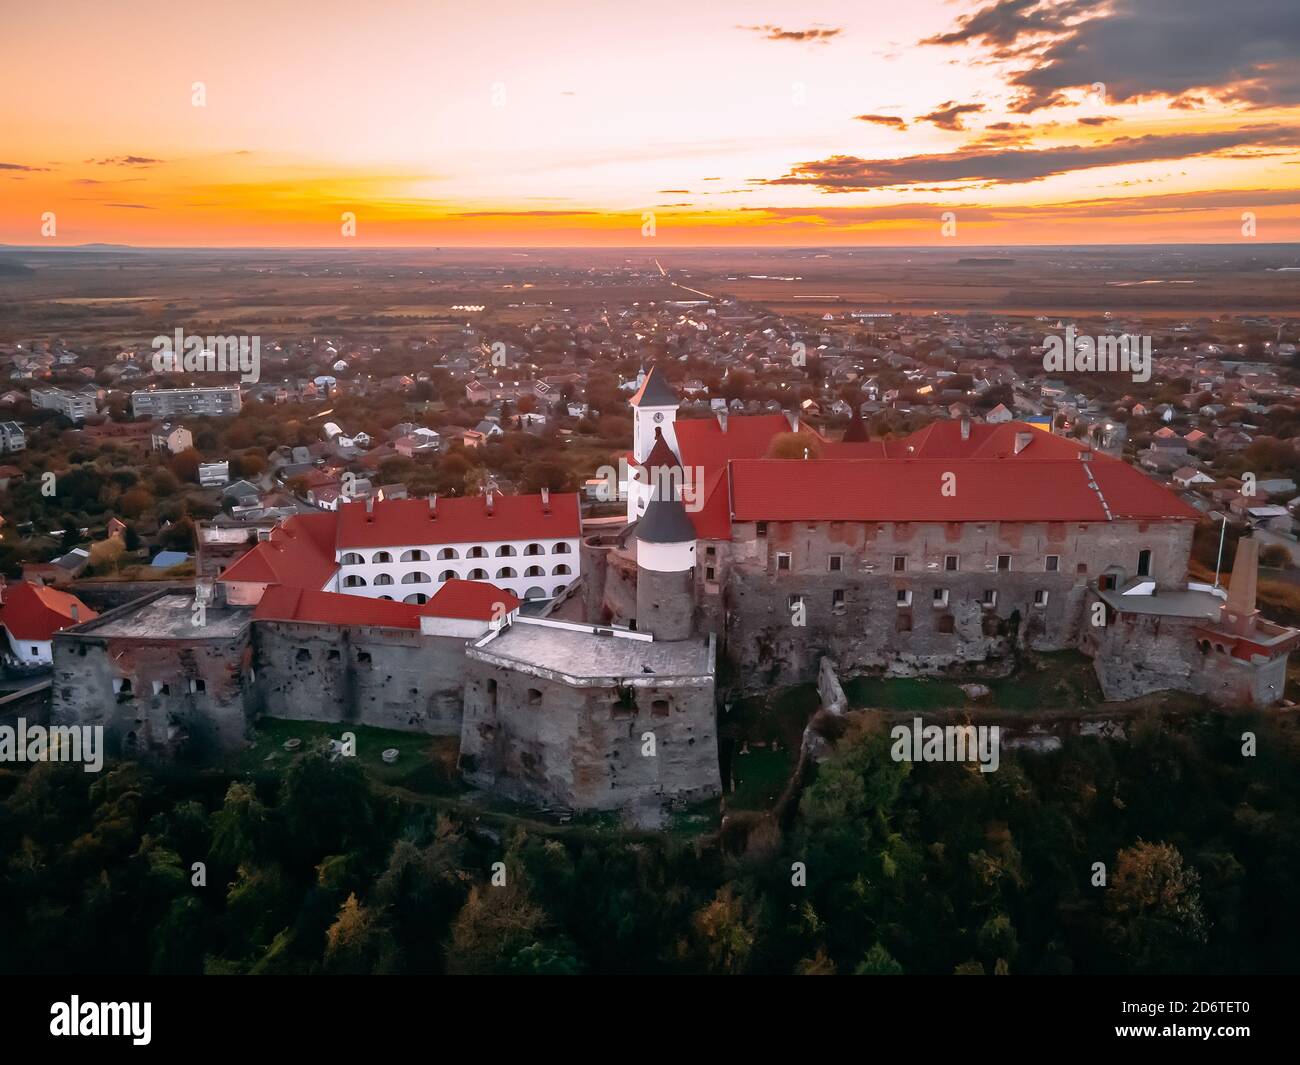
856, 433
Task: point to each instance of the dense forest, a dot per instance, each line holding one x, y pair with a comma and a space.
928, 868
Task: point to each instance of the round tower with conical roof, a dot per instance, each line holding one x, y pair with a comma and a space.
654, 419
665, 561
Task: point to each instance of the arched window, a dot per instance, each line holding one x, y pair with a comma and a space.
388, 597
534, 549
351, 558
383, 578
417, 598
506, 571
381, 556
561, 549
534, 571
447, 575
416, 577
535, 593
478, 575
505, 551
448, 552
415, 556
353, 581
476, 552
534, 697
560, 571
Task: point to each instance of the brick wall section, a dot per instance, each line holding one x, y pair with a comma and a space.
388, 678
581, 746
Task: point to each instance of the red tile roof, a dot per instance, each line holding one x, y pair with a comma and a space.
34, 612
406, 522
300, 553
470, 600
911, 490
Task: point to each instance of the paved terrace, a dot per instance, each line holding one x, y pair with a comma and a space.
1183, 603
580, 655
169, 616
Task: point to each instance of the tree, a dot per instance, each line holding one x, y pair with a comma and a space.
107, 554
794, 446
1153, 907
357, 943
185, 465
135, 502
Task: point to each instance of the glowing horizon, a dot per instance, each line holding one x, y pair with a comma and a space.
564, 125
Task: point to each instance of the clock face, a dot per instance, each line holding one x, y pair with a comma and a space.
659, 417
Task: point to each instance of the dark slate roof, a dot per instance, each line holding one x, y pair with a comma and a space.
665, 522
654, 391
661, 454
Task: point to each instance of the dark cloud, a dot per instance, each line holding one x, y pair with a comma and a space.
948, 116
126, 160
132, 206
29, 169
882, 120
1246, 52
777, 33
676, 192
522, 214
1008, 166
1097, 120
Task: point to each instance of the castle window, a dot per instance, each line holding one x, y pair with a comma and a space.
990, 597
159, 688
1052, 564
505, 550
363, 658
418, 598
415, 556
837, 600
1004, 562
946, 624
534, 549
506, 571
383, 578
762, 528
198, 686
783, 563
1040, 598
1144, 563
478, 575
710, 574
561, 549
534, 571
903, 597
900, 563
446, 553
940, 597
835, 564
416, 577
660, 707
951, 563
560, 571
381, 556
122, 686
476, 552
534, 697
447, 575
353, 581
905, 621
351, 558
303, 655
711, 552
1082, 567
332, 655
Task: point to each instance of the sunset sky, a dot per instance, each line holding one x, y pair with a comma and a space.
560, 122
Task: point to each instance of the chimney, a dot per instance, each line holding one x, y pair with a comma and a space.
1023, 440
489, 503
722, 420
433, 506
546, 500
74, 613
965, 428
792, 416
370, 508
1240, 606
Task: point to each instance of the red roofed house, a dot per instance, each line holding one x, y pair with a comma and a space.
31, 614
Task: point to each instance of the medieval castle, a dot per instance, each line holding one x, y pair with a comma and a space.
553, 652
